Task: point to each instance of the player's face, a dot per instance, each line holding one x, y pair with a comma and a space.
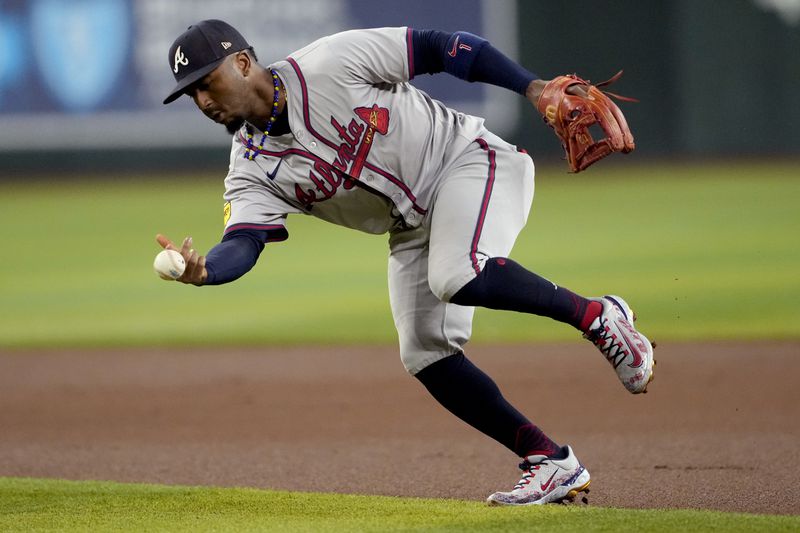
221, 95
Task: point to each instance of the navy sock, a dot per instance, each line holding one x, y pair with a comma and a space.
471, 395
505, 284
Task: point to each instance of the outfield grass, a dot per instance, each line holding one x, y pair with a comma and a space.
53, 505
702, 252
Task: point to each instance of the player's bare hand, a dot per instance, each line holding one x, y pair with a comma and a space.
195, 272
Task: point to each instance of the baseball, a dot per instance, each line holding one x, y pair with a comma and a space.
169, 264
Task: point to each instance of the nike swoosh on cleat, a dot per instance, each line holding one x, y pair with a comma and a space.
634, 349
548, 483
271, 175
637, 358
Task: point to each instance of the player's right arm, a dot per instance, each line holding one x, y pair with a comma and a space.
234, 256
227, 261
249, 225
254, 215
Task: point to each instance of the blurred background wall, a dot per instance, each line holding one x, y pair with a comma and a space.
81, 81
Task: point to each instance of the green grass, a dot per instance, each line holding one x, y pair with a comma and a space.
53, 505
702, 252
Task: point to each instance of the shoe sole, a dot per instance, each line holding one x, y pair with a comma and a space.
652, 374
570, 495
574, 492
652, 370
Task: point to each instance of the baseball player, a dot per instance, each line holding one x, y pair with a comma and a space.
337, 131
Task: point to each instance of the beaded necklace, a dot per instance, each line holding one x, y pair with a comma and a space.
251, 152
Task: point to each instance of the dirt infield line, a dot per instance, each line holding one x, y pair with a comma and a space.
719, 429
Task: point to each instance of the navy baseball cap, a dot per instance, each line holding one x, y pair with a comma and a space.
199, 50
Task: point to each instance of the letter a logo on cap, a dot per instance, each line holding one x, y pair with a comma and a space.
180, 59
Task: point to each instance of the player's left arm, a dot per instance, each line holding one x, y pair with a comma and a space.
395, 55
471, 58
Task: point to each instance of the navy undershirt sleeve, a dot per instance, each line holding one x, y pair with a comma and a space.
429, 46
468, 57
234, 256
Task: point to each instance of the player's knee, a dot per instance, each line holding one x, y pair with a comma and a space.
416, 361
414, 357
426, 336
440, 287
421, 342
412, 362
445, 284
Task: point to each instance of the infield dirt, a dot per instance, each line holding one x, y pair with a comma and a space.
719, 429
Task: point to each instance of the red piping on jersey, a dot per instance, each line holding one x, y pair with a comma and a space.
487, 194
389, 177
307, 120
290, 151
410, 50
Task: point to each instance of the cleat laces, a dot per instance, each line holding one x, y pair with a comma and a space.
607, 342
527, 473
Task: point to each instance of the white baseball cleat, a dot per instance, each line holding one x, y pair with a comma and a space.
545, 480
628, 351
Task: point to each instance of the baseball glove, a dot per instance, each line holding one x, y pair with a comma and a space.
572, 112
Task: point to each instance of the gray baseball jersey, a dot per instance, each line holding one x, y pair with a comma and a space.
369, 151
